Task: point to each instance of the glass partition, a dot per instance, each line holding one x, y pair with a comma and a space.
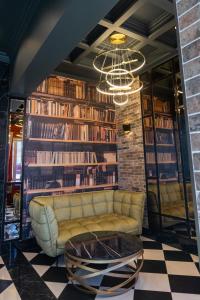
12, 215
167, 165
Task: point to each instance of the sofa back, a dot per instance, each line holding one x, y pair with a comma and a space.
171, 193
79, 205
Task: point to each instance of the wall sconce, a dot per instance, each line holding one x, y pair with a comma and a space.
126, 128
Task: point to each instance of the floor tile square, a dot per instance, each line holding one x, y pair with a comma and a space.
197, 266
71, 293
154, 266
151, 295
109, 281
129, 295
4, 274
144, 238
40, 269
153, 282
56, 274
30, 255
152, 245
56, 287
177, 256
10, 293
180, 296
43, 259
184, 284
153, 254
167, 247
195, 258
181, 268
4, 284
1, 261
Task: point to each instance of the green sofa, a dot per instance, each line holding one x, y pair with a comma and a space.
55, 219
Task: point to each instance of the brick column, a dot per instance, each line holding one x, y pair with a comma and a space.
131, 169
188, 20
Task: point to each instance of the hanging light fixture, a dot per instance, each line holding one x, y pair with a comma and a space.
116, 68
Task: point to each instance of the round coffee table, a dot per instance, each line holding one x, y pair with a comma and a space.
87, 254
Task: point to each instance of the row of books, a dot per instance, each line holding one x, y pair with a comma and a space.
58, 157
160, 122
164, 122
159, 104
161, 137
94, 177
65, 131
64, 109
61, 86
161, 157
72, 88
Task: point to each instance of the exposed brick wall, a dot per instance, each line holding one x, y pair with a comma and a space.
131, 169
188, 16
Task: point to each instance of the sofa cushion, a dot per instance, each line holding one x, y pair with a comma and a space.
79, 205
70, 228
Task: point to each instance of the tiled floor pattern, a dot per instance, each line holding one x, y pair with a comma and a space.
167, 274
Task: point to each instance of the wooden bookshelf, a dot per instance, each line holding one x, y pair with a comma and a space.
72, 165
70, 141
73, 100
70, 189
72, 119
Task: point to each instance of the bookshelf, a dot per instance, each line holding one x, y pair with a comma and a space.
70, 141
160, 147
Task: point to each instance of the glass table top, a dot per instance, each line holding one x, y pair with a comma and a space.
103, 245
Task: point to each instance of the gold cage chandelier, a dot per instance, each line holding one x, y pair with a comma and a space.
117, 68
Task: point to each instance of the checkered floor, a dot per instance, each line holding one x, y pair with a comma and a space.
167, 274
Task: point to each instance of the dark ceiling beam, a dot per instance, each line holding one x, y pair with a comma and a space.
97, 42
57, 28
66, 68
164, 28
165, 5
158, 60
137, 36
111, 27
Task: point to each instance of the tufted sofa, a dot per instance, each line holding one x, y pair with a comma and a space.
55, 219
171, 198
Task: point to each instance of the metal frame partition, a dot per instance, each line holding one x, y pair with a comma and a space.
156, 217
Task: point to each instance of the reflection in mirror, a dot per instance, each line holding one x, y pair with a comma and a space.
14, 175
169, 191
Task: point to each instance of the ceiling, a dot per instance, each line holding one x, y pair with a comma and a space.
148, 24
15, 18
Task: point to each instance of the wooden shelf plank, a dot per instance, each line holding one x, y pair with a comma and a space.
71, 118
70, 141
72, 164
163, 162
69, 189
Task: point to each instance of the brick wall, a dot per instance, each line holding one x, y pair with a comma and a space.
131, 169
188, 17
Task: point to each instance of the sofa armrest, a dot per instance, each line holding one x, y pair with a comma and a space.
44, 226
130, 204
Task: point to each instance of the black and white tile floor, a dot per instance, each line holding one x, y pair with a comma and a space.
167, 274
